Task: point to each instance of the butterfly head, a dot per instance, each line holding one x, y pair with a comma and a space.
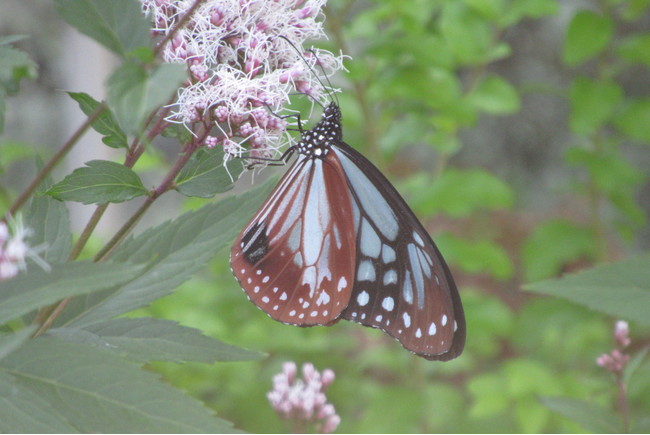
317, 141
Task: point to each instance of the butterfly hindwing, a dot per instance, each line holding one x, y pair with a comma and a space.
292, 259
402, 285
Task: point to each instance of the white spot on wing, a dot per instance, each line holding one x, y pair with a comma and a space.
369, 242
407, 319
388, 303
387, 254
444, 320
390, 277
366, 271
363, 298
342, 284
432, 329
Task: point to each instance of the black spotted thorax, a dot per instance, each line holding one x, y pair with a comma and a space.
317, 141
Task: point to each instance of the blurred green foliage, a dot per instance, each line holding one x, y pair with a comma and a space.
422, 73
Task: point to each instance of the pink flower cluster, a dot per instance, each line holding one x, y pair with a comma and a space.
244, 58
303, 400
616, 360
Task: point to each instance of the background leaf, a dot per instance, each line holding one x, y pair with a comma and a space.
619, 289
134, 92
95, 391
205, 174
145, 340
175, 249
117, 24
99, 182
37, 288
105, 124
592, 418
588, 34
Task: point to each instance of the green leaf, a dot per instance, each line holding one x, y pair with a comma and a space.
178, 132
11, 342
15, 65
145, 340
634, 120
99, 182
587, 36
592, 418
633, 365
49, 222
529, 8
495, 95
592, 103
105, 124
117, 24
635, 48
38, 288
97, 392
476, 256
205, 174
23, 411
459, 193
176, 249
619, 289
552, 245
133, 92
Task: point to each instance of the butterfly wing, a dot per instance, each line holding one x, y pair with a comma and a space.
403, 285
294, 259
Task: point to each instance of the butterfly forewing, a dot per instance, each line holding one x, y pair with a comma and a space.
402, 285
293, 258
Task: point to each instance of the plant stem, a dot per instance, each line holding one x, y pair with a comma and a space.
56, 158
622, 402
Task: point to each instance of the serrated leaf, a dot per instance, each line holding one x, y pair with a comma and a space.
117, 24
99, 182
11, 342
105, 124
619, 289
205, 175
23, 411
146, 340
49, 223
37, 288
592, 418
588, 34
176, 250
97, 392
133, 93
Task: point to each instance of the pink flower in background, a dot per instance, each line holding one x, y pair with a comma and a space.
14, 250
616, 360
242, 67
303, 400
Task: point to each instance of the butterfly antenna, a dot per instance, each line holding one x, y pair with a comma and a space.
313, 71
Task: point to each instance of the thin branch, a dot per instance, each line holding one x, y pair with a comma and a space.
56, 158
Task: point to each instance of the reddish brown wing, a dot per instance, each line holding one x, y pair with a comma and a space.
295, 258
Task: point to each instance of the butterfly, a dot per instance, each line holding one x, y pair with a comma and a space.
335, 240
